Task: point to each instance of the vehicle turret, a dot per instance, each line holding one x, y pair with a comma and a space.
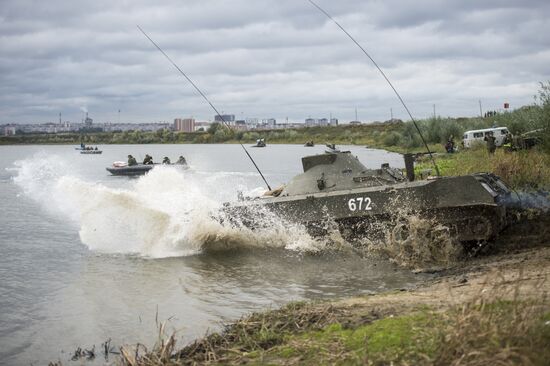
337, 171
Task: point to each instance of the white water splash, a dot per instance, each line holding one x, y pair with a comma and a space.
165, 213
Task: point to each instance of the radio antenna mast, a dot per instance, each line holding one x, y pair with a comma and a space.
205, 98
385, 77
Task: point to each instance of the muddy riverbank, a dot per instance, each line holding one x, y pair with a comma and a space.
485, 309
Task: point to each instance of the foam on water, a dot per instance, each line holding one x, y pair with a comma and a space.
167, 212
170, 212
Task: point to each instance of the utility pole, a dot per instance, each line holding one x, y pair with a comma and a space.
434, 111
480, 110
391, 114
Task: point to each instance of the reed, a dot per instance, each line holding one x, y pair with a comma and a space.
497, 327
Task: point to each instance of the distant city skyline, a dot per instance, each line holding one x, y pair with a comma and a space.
267, 59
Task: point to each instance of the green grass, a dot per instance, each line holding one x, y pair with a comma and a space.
527, 169
479, 332
508, 332
392, 338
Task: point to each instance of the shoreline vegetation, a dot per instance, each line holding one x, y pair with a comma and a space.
395, 136
526, 170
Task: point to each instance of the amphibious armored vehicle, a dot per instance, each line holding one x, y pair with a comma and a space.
337, 187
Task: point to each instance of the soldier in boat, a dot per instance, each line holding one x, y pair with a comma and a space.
181, 161
131, 160
148, 160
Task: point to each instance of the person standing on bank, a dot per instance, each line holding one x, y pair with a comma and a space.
491, 145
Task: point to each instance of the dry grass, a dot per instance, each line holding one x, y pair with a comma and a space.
258, 331
161, 353
496, 328
523, 169
527, 169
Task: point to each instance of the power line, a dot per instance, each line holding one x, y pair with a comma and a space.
205, 98
385, 77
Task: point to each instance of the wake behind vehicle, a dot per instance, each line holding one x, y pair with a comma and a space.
336, 186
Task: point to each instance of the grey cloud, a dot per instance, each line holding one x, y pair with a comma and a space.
266, 58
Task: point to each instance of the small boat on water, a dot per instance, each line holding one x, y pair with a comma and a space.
91, 151
260, 143
88, 149
309, 144
122, 168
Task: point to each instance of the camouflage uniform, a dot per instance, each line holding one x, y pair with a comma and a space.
491, 146
131, 160
148, 160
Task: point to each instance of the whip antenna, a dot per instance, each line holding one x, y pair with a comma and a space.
385, 77
205, 98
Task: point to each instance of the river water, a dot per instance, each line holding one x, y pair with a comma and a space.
85, 256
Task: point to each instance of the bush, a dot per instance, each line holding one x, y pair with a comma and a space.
392, 139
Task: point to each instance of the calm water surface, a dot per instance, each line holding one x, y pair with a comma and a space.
85, 256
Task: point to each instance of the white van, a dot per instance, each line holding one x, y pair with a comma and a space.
471, 137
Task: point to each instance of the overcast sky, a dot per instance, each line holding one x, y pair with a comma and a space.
267, 58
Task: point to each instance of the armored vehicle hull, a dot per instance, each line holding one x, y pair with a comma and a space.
336, 187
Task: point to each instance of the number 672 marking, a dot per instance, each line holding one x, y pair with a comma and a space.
360, 203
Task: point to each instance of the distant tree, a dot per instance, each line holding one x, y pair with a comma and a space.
213, 128
136, 137
220, 135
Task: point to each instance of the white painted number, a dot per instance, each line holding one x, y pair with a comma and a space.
360, 203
